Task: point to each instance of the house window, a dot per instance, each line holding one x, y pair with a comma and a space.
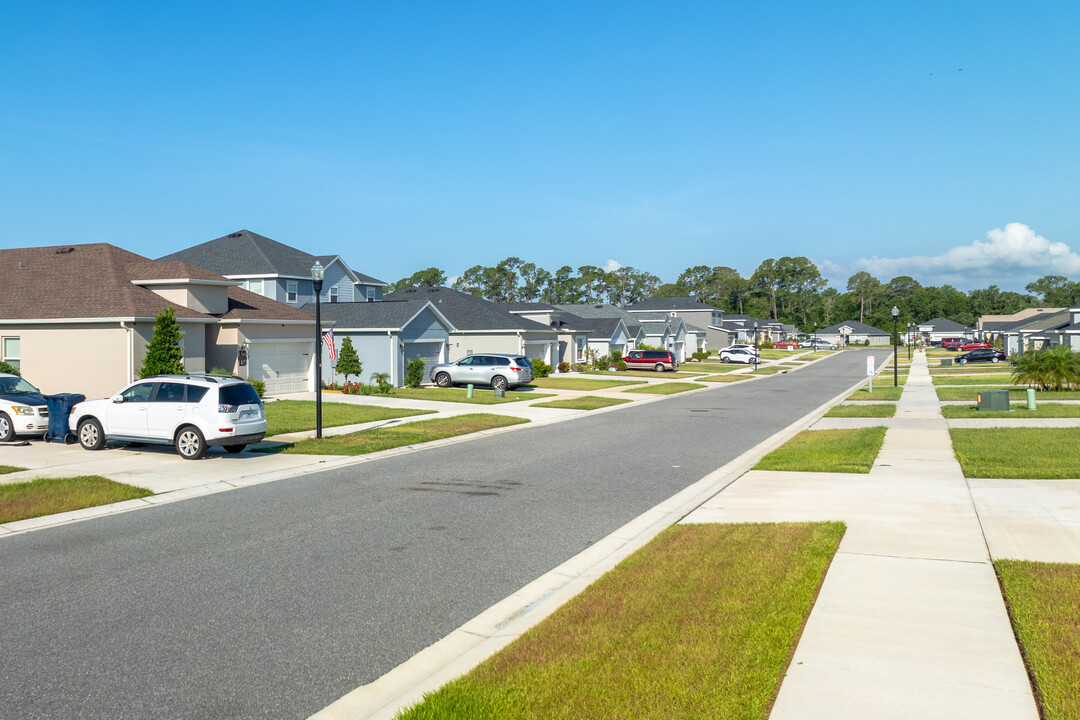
371, 294
10, 352
255, 286
333, 294
292, 291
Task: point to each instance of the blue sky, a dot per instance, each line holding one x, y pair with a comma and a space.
933, 139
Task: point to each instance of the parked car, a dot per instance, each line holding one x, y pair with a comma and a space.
966, 346
498, 370
819, 344
739, 355
982, 355
189, 412
22, 408
742, 346
658, 360
787, 344
946, 342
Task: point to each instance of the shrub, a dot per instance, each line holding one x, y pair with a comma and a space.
350, 388
619, 364
643, 346
8, 368
220, 371
382, 381
1056, 368
767, 344
540, 368
616, 356
603, 362
260, 387
699, 356
164, 356
866, 342
564, 367
579, 367
414, 372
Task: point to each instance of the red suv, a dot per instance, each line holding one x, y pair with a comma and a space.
658, 360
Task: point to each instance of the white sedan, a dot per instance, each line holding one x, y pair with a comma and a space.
23, 410
739, 355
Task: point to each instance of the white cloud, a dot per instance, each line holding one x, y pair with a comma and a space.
1007, 256
612, 266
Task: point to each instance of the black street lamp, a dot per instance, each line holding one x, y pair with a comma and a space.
895, 355
316, 281
757, 357
910, 339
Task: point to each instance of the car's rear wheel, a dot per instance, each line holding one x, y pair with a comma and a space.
995, 359
442, 379
498, 382
91, 436
725, 359
190, 443
659, 367
234, 449
7, 430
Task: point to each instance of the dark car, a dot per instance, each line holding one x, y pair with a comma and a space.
658, 360
982, 355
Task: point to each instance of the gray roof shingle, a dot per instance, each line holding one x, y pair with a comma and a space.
466, 312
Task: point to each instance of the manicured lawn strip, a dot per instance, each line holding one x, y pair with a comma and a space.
972, 369
665, 388
5, 469
413, 433
863, 410
881, 392
555, 383
480, 397
586, 402
1044, 604
701, 622
971, 380
1042, 410
639, 373
725, 378
48, 496
765, 371
1015, 393
712, 367
839, 451
288, 416
1021, 453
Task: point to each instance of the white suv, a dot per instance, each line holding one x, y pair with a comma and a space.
23, 410
190, 412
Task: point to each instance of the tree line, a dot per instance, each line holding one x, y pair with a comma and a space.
787, 289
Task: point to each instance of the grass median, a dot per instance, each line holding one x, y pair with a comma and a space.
585, 402
837, 451
289, 416
886, 392
863, 410
665, 388
48, 496
586, 384
1018, 453
1042, 410
725, 378
384, 438
701, 622
1044, 604
1015, 393
5, 469
460, 395
639, 373
971, 379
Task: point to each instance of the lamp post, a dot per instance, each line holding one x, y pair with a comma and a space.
757, 357
316, 282
815, 336
895, 340
910, 339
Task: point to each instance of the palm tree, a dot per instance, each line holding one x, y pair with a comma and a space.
1056, 368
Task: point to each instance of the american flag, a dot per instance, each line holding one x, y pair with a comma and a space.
328, 340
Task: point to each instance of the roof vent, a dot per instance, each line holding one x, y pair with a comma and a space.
236, 234
65, 251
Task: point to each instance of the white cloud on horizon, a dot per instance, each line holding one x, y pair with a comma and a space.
612, 266
1007, 256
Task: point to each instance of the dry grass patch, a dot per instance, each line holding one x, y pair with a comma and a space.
701, 622
48, 496
1044, 605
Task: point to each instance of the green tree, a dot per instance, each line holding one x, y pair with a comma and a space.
864, 286
164, 355
414, 372
348, 362
765, 282
1056, 290
432, 277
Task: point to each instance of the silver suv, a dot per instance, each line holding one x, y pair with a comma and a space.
498, 370
190, 412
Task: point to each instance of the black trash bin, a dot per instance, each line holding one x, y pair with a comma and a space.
59, 411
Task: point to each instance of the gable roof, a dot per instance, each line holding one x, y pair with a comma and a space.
248, 253
599, 327
466, 312
684, 302
857, 328
380, 315
39, 283
940, 324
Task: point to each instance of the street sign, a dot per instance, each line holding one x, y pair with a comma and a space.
869, 364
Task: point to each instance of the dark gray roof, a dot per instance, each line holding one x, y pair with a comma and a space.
370, 314
599, 310
744, 321
522, 306
685, 302
248, 253
1053, 321
466, 312
857, 328
945, 325
597, 327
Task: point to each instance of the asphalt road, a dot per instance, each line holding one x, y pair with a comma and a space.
275, 600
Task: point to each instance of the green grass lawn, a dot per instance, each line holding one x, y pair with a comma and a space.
881, 392
1022, 453
5, 469
772, 370
1044, 604
586, 402
1042, 410
458, 394
665, 388
863, 410
640, 373
725, 378
971, 379
384, 438
1015, 393
554, 383
699, 623
972, 369
48, 496
712, 367
288, 416
839, 451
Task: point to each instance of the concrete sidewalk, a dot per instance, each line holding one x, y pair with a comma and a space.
910, 622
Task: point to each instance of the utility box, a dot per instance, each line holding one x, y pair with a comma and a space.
994, 400
946, 362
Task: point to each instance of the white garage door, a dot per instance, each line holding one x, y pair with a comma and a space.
282, 366
535, 351
430, 351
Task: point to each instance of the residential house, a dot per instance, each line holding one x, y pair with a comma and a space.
721, 330
278, 271
483, 326
77, 318
385, 335
573, 331
1042, 330
853, 332
933, 331
990, 327
655, 329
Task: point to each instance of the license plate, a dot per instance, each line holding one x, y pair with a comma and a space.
248, 415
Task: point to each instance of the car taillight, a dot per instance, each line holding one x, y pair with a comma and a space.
516, 369
223, 408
